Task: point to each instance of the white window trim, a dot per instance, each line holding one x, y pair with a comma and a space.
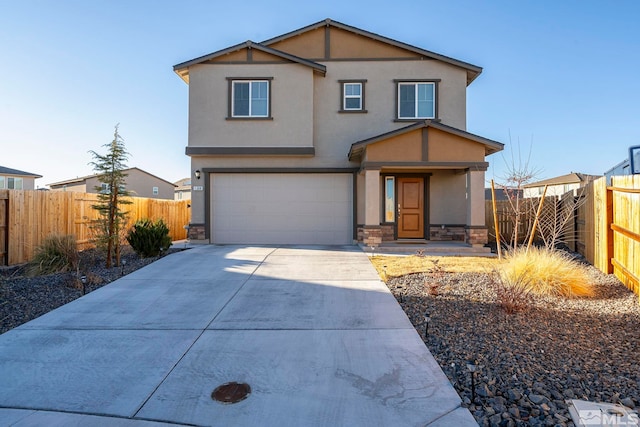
250, 115
416, 84
345, 96
15, 182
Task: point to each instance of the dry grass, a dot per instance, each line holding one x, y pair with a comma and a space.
547, 272
395, 266
56, 254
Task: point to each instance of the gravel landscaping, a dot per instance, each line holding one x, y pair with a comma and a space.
532, 361
24, 298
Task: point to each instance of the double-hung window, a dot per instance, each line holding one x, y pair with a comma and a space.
352, 96
250, 98
14, 183
416, 100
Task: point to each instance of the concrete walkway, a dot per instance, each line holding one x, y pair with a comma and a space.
314, 332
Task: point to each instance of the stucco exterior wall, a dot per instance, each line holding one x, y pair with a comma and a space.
79, 188
28, 183
141, 185
552, 190
291, 107
335, 131
447, 198
444, 147
406, 147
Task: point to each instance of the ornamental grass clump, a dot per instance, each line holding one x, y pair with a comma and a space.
56, 254
545, 271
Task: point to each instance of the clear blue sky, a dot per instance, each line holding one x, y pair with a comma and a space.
560, 77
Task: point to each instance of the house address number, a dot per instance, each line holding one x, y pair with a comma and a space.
197, 188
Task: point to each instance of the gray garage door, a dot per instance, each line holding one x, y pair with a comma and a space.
282, 208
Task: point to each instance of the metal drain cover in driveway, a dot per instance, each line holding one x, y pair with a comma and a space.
232, 392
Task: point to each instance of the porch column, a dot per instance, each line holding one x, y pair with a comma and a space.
476, 231
372, 232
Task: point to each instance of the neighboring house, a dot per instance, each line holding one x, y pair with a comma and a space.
182, 190
331, 134
139, 183
502, 193
628, 166
622, 168
559, 185
14, 179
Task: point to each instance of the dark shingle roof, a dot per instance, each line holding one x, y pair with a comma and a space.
9, 171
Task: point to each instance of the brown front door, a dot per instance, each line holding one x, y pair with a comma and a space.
410, 208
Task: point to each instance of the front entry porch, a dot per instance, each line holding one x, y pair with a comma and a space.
423, 182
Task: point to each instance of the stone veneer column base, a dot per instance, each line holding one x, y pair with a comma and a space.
196, 232
454, 233
476, 235
388, 233
370, 235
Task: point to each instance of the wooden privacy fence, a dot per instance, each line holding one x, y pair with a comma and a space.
612, 237
505, 210
604, 226
27, 217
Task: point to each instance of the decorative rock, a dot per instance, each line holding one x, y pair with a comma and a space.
561, 418
514, 395
628, 402
514, 411
499, 407
483, 391
536, 398
495, 420
532, 361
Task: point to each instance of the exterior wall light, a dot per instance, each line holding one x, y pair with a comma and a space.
197, 173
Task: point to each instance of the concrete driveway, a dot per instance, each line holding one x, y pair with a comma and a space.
316, 335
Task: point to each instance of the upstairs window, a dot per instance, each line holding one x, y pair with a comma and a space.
250, 98
416, 100
14, 183
352, 96
155, 191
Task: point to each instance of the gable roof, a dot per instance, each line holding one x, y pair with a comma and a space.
182, 69
570, 178
80, 179
8, 171
491, 146
473, 71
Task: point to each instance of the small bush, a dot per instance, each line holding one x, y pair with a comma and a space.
149, 238
512, 295
545, 271
57, 254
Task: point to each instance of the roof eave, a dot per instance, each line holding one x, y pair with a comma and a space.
473, 71
491, 147
182, 69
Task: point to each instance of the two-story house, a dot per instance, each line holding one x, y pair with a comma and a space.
14, 179
331, 134
559, 185
139, 183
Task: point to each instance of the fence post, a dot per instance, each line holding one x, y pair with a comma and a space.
609, 220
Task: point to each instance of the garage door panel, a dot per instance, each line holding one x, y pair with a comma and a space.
282, 208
